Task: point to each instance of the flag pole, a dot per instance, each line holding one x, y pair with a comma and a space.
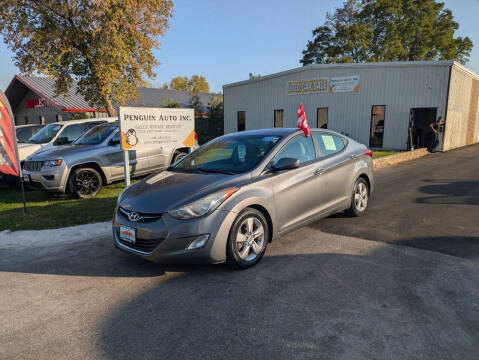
23, 197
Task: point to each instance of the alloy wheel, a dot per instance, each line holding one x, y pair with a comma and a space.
250, 239
86, 183
361, 197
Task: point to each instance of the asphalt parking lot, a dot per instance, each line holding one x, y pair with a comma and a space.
314, 295
428, 203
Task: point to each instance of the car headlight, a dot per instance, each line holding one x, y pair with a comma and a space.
202, 206
56, 162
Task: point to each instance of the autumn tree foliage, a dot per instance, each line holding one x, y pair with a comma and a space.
387, 30
196, 84
104, 44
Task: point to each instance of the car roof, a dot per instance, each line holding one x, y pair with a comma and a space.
69, 122
266, 132
27, 126
277, 132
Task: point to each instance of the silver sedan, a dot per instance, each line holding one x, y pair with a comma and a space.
228, 199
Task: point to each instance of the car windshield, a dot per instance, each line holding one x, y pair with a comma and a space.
231, 155
96, 135
46, 134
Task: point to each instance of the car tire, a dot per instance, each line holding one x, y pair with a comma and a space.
247, 240
177, 156
359, 198
85, 183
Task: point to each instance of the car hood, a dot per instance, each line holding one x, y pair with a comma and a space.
167, 190
26, 149
59, 152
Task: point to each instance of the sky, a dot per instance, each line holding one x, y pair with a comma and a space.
225, 40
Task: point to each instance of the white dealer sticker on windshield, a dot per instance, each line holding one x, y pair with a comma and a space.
328, 142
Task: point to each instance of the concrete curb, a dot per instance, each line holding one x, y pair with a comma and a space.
390, 160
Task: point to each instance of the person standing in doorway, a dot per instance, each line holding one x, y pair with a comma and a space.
438, 132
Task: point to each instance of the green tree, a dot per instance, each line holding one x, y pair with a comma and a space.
387, 30
196, 84
170, 103
216, 107
104, 44
253, 76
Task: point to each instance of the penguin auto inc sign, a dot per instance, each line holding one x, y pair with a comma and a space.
143, 128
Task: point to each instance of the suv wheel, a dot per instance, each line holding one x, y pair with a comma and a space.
247, 240
178, 156
359, 198
85, 183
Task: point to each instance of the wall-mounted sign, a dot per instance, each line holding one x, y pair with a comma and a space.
345, 84
308, 86
38, 103
143, 128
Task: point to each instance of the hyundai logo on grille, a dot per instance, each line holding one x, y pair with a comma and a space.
134, 216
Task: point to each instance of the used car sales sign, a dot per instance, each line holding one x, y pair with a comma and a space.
143, 128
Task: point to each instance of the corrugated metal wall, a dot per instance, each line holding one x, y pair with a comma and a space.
398, 86
462, 126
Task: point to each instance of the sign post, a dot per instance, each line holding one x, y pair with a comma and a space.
9, 162
153, 128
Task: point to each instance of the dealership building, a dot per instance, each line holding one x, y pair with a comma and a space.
33, 101
383, 105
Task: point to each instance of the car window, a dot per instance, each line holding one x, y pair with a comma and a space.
24, 134
97, 135
46, 134
229, 154
300, 148
72, 132
328, 143
92, 124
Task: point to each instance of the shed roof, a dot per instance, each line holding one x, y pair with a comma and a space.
372, 65
72, 101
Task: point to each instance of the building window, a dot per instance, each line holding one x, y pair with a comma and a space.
42, 119
278, 118
322, 118
27, 120
59, 118
378, 116
241, 120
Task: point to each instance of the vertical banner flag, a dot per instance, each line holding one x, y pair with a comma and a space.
302, 122
8, 145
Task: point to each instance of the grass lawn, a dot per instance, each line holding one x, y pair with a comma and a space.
47, 211
381, 153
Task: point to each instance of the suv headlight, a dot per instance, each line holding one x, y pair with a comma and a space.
202, 206
56, 162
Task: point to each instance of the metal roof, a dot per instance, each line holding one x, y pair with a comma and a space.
72, 101
396, 64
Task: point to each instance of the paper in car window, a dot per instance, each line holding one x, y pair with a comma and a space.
328, 142
241, 152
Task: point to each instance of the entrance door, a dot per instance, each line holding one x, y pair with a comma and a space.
322, 118
420, 133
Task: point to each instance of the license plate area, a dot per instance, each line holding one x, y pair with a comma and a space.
128, 234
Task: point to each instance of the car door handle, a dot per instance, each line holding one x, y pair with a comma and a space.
319, 172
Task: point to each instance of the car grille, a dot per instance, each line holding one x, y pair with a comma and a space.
145, 245
140, 217
33, 165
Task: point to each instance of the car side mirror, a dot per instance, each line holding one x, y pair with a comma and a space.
286, 164
114, 142
62, 141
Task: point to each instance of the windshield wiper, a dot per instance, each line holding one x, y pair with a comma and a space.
216, 171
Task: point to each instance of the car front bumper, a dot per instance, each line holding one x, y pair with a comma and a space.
48, 178
166, 239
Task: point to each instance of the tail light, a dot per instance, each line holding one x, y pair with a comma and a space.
368, 152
